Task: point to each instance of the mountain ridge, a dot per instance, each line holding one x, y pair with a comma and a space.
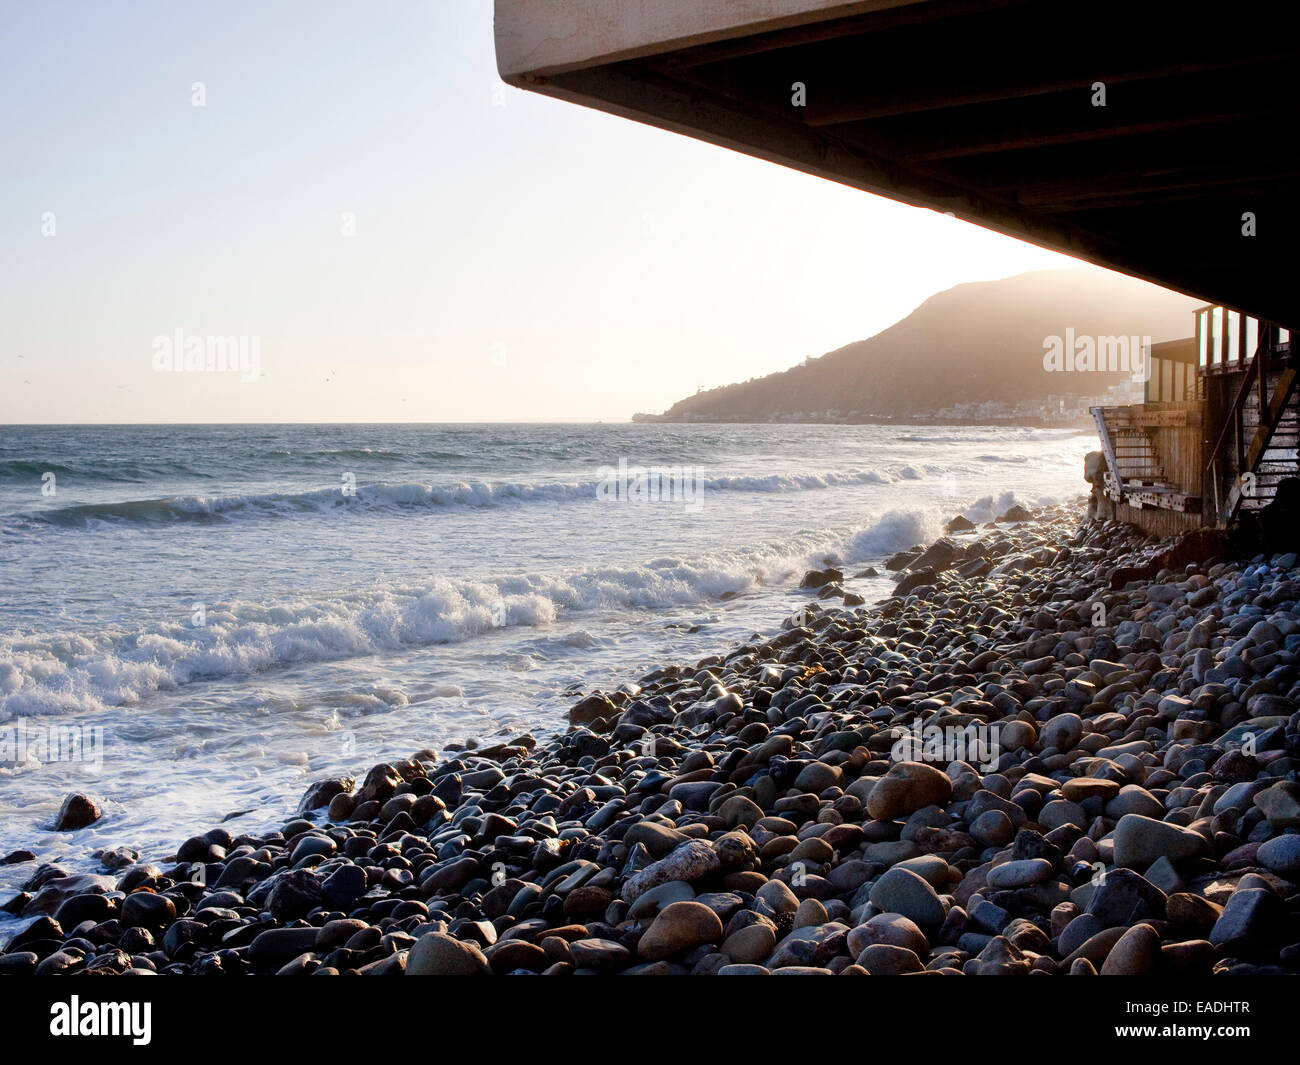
978, 342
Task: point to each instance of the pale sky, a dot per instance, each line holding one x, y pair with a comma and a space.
514, 257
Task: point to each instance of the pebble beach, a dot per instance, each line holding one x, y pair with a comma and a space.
1020, 763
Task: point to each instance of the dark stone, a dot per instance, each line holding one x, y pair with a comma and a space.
344, 886
938, 556
321, 792
186, 930
148, 909
592, 708
1250, 919
19, 963
817, 578
77, 811
294, 894
276, 946
1125, 898
33, 930
380, 784
1031, 844
17, 858
903, 559
914, 580
91, 907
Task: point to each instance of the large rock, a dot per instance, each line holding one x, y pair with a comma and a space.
29, 930
1001, 957
145, 909
276, 946
592, 708
290, 894
1250, 919
819, 578
750, 945
816, 777
890, 928
1136, 952
1123, 898
659, 839
1063, 732
1094, 467
57, 890
938, 556
1281, 855
1184, 908
438, 954
344, 886
689, 862
1139, 841
886, 959
1133, 799
1281, 805
916, 579
380, 784
902, 891
599, 954
321, 792
90, 907
77, 811
1018, 874
812, 945
679, 927
906, 788
652, 900
1096, 948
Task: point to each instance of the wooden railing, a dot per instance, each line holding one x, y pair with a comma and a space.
1231, 443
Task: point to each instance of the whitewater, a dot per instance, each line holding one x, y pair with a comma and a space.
232, 612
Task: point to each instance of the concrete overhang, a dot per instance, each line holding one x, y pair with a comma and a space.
988, 109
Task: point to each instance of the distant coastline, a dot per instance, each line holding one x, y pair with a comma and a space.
1081, 422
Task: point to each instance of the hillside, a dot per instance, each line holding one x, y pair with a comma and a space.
975, 343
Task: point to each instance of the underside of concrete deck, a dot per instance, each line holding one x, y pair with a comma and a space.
1151, 138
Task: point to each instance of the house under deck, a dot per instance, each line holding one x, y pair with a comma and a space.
1151, 139
1217, 432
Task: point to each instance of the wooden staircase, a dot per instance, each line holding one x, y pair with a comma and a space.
1136, 472
1257, 446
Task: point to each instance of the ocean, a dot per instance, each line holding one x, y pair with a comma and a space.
199, 621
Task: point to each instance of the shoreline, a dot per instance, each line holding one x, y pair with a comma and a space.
750, 813
1080, 424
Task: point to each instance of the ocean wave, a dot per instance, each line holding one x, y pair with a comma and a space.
363, 453
896, 531
990, 507
396, 496
53, 672
16, 471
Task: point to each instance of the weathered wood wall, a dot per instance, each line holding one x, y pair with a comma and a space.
1157, 521
1180, 443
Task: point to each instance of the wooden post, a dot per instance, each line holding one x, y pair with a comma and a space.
1262, 357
